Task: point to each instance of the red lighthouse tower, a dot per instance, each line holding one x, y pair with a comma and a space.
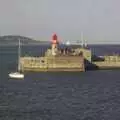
54, 44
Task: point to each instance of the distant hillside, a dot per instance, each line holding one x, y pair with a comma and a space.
13, 40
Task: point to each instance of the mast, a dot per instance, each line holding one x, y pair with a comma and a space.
19, 54
82, 44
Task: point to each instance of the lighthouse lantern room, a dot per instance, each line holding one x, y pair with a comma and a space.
54, 44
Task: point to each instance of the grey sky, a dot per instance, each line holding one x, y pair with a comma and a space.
98, 19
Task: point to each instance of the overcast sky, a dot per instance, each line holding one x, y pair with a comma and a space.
99, 20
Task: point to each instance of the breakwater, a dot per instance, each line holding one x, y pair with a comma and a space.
60, 63
109, 62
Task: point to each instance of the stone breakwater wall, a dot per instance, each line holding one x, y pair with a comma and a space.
58, 63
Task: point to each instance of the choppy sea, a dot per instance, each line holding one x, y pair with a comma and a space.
91, 95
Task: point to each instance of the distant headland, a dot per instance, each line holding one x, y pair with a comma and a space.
13, 40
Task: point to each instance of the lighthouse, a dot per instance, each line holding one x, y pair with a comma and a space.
54, 44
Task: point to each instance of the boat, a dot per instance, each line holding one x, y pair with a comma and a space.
17, 74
